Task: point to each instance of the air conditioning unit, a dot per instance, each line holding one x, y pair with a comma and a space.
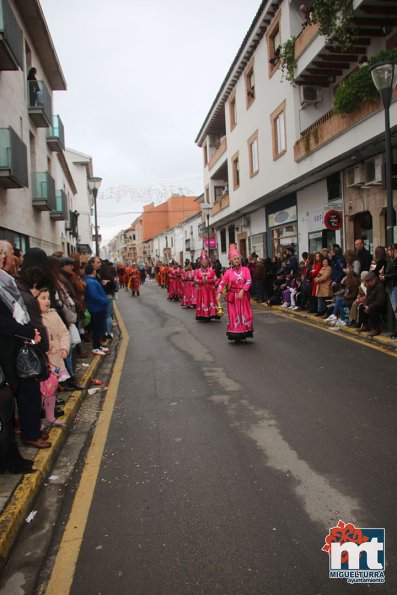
355, 176
373, 171
310, 95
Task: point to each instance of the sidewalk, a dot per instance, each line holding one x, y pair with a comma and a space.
382, 341
17, 492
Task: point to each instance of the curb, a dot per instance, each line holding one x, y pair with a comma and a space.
385, 343
21, 500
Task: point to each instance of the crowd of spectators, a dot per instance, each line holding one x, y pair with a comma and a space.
59, 302
352, 289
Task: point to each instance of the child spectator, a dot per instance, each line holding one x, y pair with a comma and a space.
59, 347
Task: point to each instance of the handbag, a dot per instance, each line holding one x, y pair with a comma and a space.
230, 297
3, 380
75, 338
31, 363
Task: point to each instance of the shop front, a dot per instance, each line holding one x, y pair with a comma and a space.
282, 226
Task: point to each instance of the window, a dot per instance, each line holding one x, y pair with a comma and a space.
223, 240
277, 119
218, 192
232, 234
274, 45
236, 171
333, 186
253, 154
250, 84
232, 112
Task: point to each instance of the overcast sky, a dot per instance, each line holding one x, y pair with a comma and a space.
141, 77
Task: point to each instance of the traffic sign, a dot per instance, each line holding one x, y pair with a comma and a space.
333, 220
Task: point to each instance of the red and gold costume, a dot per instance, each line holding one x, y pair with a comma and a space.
134, 280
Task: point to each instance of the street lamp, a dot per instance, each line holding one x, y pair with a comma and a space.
207, 207
93, 186
384, 75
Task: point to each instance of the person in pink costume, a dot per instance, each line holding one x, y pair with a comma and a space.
174, 283
206, 305
237, 280
189, 287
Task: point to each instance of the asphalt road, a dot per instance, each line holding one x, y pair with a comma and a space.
226, 464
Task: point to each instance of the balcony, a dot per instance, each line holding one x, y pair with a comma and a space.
56, 135
305, 38
13, 160
43, 192
218, 153
330, 126
39, 104
11, 42
61, 210
220, 204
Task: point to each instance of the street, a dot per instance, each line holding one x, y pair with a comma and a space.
226, 465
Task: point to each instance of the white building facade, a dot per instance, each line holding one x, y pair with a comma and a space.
39, 198
277, 158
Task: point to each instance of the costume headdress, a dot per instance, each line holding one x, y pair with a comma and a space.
204, 255
233, 252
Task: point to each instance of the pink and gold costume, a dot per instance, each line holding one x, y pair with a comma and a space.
206, 306
189, 289
239, 310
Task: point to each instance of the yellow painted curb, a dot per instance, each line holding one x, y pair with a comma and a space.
21, 500
65, 564
379, 343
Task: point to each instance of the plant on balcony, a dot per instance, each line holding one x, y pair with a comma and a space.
287, 59
335, 20
359, 88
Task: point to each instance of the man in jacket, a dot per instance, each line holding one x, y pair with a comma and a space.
363, 256
96, 302
338, 264
374, 305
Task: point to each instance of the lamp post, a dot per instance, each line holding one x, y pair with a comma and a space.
384, 75
93, 186
207, 207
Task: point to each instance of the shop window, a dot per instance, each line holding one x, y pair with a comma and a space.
250, 84
236, 171
232, 234
223, 240
232, 112
277, 119
284, 236
253, 154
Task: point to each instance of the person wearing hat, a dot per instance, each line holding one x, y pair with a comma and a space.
237, 280
374, 305
206, 303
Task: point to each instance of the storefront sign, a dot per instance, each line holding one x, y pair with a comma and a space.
333, 220
282, 217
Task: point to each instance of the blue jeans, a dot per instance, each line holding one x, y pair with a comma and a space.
393, 299
109, 312
339, 307
321, 307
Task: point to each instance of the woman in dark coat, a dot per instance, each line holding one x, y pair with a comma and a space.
30, 282
14, 323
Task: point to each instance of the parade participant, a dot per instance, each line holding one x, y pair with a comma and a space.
127, 275
164, 275
189, 287
206, 305
134, 280
158, 273
237, 279
174, 283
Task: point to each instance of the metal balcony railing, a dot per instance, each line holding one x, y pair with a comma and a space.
39, 104
13, 160
11, 40
43, 191
61, 209
56, 134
